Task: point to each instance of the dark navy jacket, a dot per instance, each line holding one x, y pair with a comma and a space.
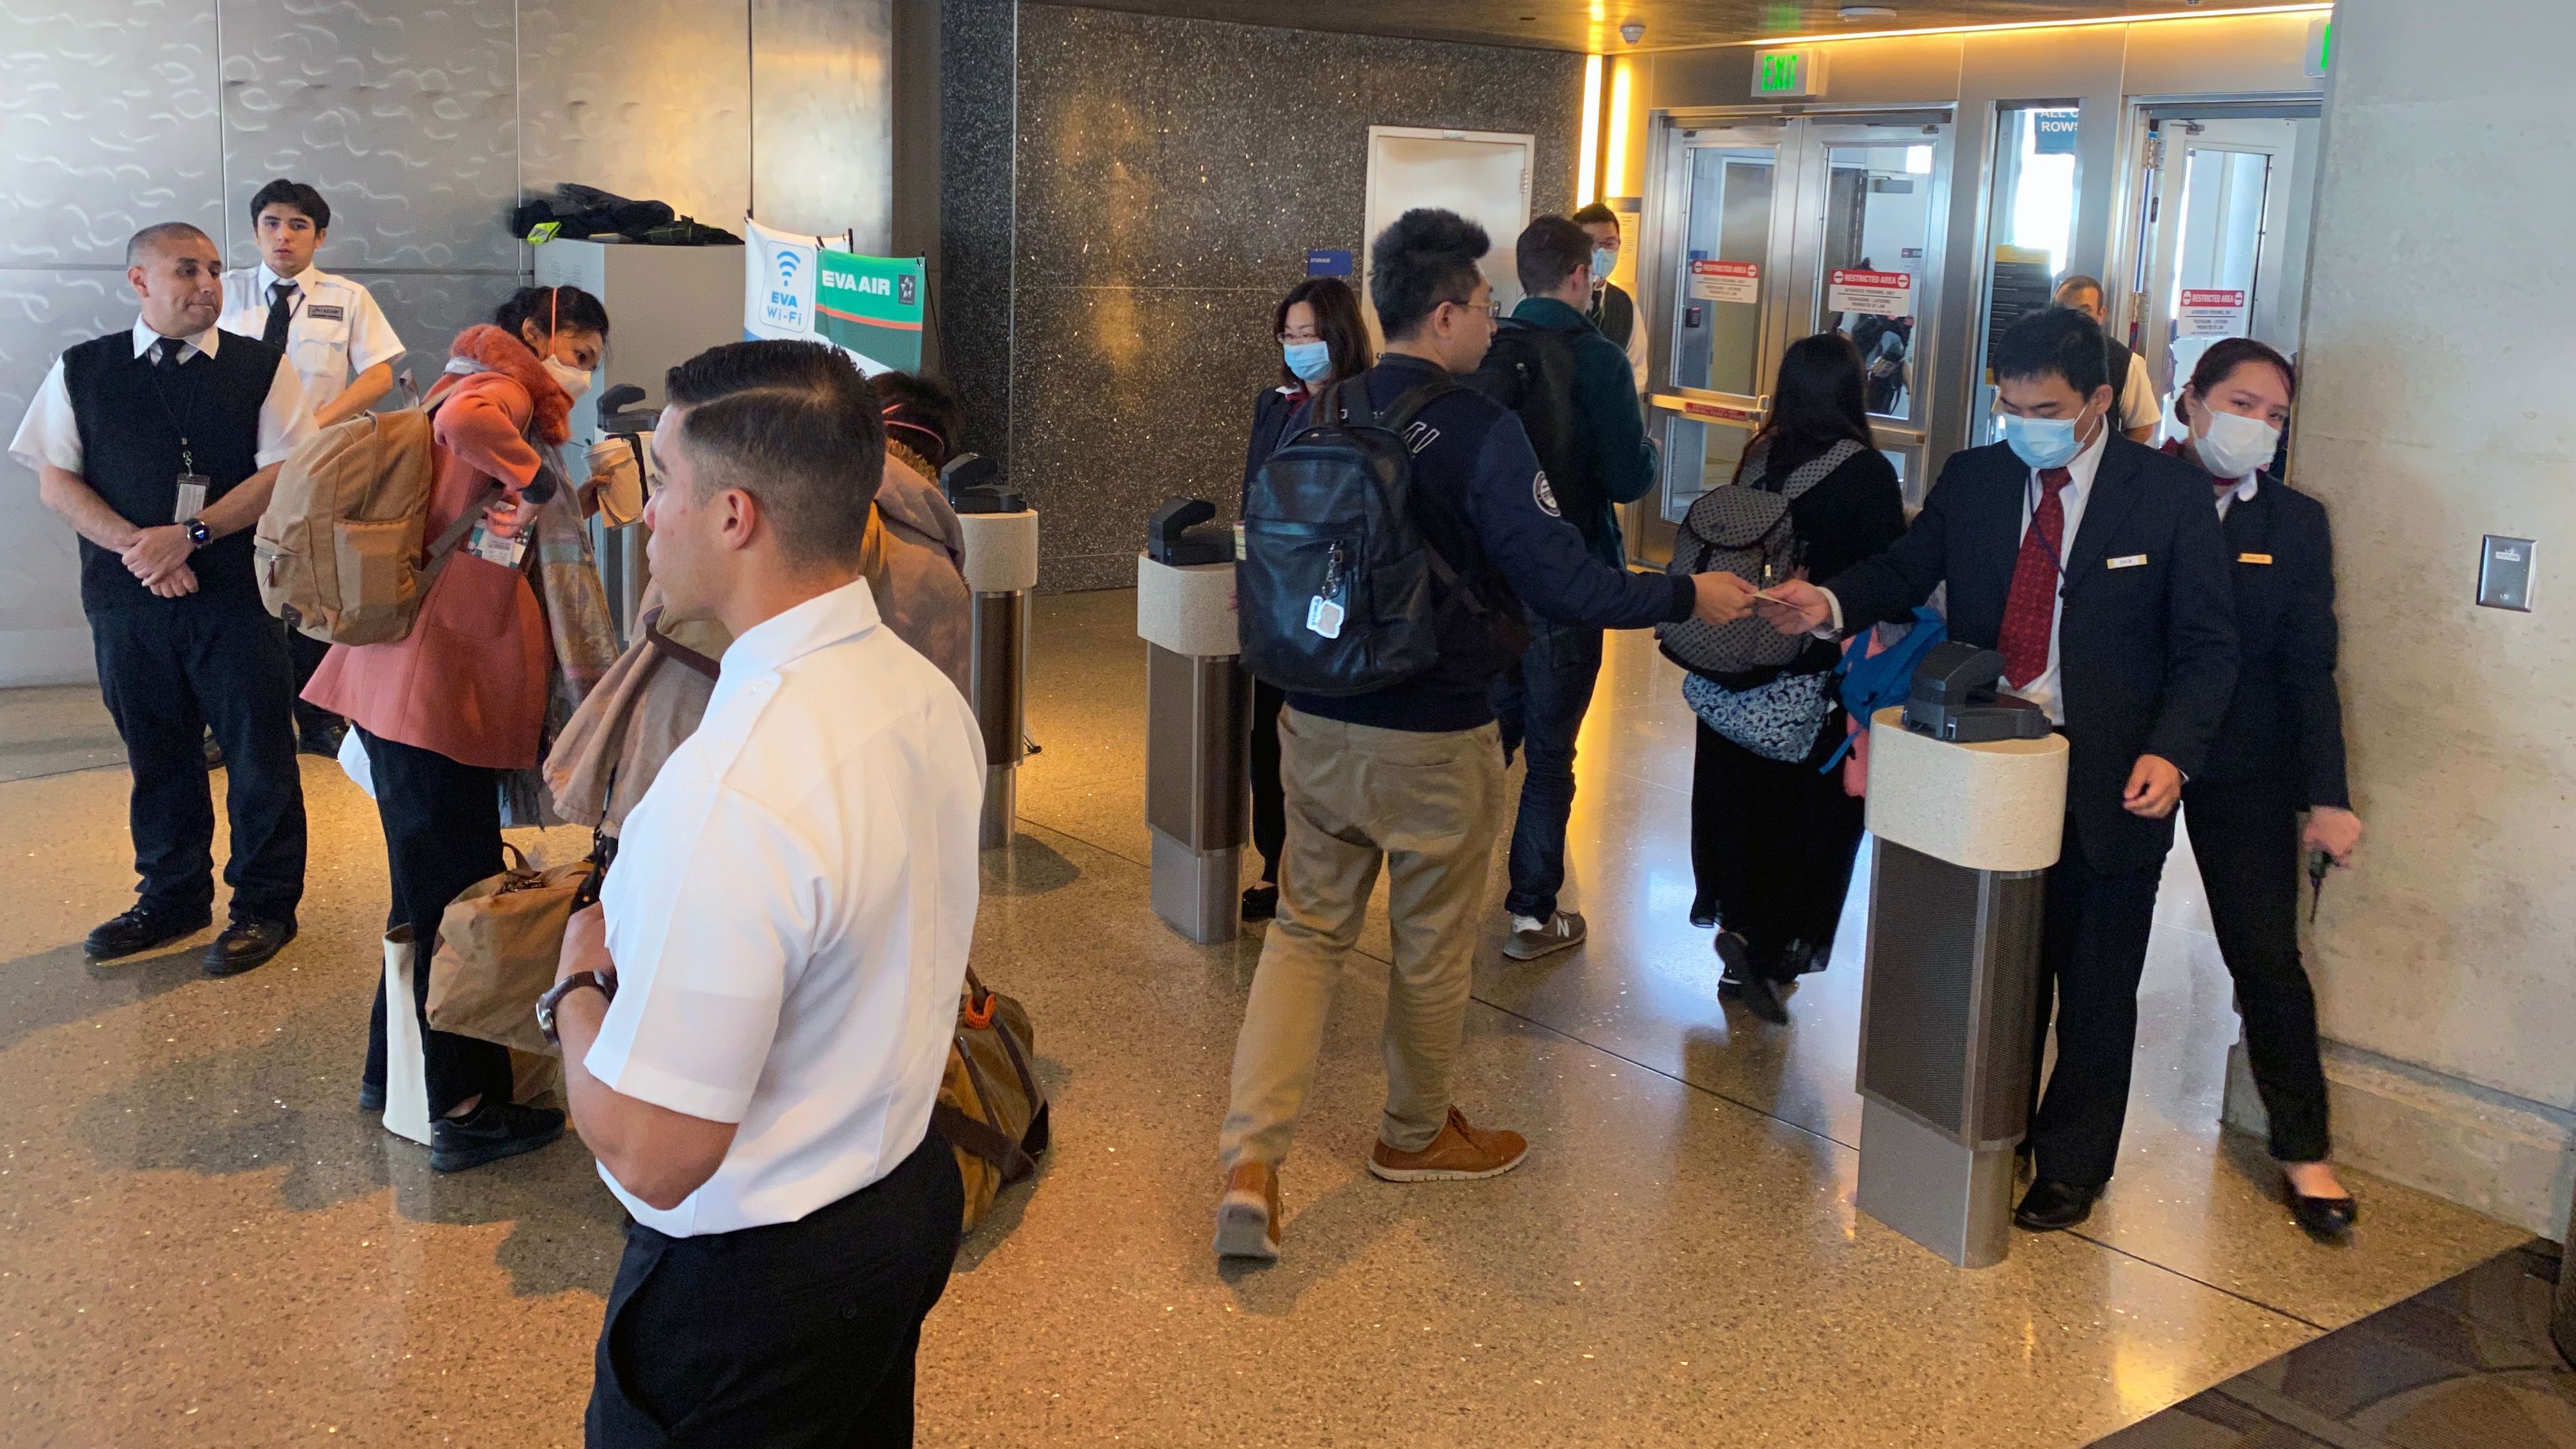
1483, 504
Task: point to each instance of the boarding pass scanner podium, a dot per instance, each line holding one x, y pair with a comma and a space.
1966, 834
1001, 569
1197, 733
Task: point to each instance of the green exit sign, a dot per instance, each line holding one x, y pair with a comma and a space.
2320, 53
1781, 75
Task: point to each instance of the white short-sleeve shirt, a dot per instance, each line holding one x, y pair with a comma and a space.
338, 331
49, 433
790, 911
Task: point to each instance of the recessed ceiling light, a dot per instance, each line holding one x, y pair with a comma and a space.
1866, 12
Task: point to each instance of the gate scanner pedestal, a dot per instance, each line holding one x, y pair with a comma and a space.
1198, 712
1966, 834
1001, 570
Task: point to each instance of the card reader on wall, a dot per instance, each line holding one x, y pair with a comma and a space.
1180, 534
1953, 698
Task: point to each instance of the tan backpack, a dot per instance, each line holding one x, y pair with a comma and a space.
339, 549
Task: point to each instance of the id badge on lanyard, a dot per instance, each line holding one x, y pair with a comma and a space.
192, 497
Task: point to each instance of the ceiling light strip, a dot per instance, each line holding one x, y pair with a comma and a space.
2310, 7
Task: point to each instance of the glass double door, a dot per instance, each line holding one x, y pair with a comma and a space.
1772, 229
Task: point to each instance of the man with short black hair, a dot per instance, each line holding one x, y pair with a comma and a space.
1571, 389
2136, 409
1612, 309
1409, 778
756, 1018
2097, 568
342, 350
159, 446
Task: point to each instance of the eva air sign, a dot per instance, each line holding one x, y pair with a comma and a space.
800, 287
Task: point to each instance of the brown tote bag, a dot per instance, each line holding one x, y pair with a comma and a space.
498, 946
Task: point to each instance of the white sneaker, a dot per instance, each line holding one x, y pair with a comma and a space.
1532, 938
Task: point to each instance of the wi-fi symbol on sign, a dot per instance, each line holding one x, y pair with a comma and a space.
787, 264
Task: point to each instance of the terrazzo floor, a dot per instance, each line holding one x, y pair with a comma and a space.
203, 1241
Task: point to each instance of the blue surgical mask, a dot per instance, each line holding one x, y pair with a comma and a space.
1312, 361
1605, 260
2042, 442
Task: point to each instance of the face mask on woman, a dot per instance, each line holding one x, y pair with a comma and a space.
2042, 442
573, 380
1312, 361
2234, 445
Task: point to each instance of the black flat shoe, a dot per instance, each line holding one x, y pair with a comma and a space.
1761, 996
1704, 915
371, 1096
1261, 902
489, 1133
323, 743
141, 929
245, 944
2327, 1219
2053, 1207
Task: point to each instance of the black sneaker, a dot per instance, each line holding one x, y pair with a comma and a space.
489, 1133
1261, 902
323, 743
143, 928
245, 944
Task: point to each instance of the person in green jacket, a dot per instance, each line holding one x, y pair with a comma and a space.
1578, 400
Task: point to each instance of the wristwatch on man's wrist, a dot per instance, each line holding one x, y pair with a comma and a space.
199, 535
604, 981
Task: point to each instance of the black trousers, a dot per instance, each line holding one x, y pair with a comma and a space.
793, 1336
1772, 844
169, 670
1269, 798
442, 833
304, 653
2246, 838
2093, 949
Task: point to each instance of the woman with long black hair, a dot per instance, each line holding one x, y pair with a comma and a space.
1321, 340
1772, 834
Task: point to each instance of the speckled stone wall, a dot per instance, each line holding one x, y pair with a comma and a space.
978, 41
1171, 176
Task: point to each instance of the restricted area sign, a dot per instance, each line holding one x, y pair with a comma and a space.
1716, 281
1872, 294
2211, 313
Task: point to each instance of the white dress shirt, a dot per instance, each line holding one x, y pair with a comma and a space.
790, 912
2136, 402
2244, 489
336, 333
50, 434
2048, 691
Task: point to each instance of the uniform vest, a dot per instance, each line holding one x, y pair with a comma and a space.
130, 416
1615, 313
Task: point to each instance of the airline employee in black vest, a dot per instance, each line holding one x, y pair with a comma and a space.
1613, 311
159, 447
2279, 755
2096, 567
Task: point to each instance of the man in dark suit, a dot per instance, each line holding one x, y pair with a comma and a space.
2097, 568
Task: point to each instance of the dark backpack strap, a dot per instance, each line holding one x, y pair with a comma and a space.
670, 648
984, 1140
444, 547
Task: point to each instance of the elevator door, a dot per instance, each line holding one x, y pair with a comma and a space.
1772, 229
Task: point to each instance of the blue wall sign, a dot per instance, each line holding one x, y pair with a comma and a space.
1326, 262
2056, 133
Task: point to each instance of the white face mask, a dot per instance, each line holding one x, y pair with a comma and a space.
2235, 445
573, 380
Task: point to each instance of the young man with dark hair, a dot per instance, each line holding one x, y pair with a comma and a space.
2136, 408
1409, 778
756, 1017
1612, 309
159, 446
2097, 568
340, 345
1572, 391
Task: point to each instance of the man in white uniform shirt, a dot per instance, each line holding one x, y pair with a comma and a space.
756, 1019
342, 350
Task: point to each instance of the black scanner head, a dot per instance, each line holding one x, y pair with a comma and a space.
619, 415
1181, 534
1953, 697
973, 484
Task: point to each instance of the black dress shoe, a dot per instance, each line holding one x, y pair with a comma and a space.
371, 1096
141, 929
323, 743
1261, 902
2327, 1219
489, 1133
214, 752
2052, 1207
245, 944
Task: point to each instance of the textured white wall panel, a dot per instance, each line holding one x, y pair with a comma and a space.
42, 637
822, 117
428, 309
107, 124
645, 98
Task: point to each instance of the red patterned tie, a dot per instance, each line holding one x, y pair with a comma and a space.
2030, 610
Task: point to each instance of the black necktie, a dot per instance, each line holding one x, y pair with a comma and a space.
165, 353
281, 310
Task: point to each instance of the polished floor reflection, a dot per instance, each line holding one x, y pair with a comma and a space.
201, 1238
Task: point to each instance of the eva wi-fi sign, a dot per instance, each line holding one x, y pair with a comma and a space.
872, 307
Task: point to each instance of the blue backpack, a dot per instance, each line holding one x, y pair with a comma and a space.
1872, 682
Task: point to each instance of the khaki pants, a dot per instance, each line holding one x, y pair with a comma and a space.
1430, 806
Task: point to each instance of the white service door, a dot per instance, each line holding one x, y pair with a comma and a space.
1483, 176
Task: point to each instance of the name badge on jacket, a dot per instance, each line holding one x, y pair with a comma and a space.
2127, 561
321, 312
2256, 558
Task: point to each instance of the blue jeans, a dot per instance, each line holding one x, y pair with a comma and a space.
1542, 712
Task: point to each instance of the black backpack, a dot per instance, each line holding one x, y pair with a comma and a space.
1338, 590
1530, 370
1746, 530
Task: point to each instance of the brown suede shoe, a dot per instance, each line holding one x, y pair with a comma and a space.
1459, 1152
1247, 1217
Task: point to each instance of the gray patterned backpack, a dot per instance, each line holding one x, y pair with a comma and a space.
1745, 530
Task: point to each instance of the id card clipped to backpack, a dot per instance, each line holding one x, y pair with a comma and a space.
1324, 612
